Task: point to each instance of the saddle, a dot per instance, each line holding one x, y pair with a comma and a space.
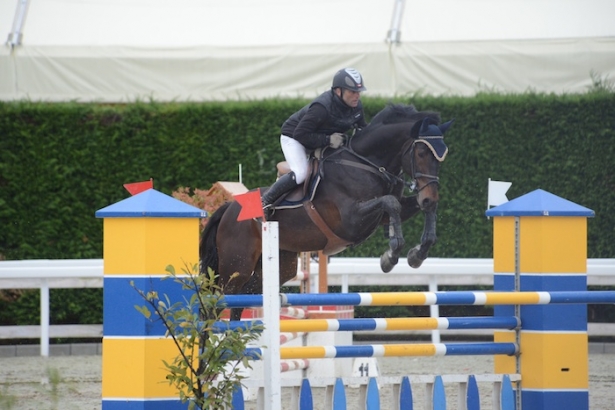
301, 197
305, 191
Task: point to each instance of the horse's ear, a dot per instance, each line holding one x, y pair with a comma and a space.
444, 127
426, 127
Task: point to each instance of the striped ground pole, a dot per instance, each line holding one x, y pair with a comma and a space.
143, 234
540, 244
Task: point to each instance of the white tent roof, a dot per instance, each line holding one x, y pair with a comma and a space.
119, 50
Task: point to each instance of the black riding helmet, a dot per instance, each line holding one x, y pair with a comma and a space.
350, 79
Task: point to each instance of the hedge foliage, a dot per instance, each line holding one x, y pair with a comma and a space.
60, 162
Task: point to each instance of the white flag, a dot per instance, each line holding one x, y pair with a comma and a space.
496, 192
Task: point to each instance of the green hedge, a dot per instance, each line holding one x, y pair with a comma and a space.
60, 162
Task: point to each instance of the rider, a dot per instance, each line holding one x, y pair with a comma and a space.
319, 124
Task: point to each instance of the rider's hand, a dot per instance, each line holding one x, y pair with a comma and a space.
336, 140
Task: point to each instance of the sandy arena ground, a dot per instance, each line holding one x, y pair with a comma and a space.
26, 383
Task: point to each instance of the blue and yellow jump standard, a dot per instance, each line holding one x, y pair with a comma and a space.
540, 244
143, 234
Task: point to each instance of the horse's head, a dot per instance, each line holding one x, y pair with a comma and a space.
421, 160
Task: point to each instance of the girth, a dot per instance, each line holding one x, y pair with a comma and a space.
335, 244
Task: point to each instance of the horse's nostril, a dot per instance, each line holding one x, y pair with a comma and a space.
428, 204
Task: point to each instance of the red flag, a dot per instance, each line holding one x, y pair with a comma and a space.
138, 187
250, 205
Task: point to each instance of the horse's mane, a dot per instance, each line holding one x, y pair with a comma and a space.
399, 113
393, 119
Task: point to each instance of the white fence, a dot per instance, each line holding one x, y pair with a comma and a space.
344, 272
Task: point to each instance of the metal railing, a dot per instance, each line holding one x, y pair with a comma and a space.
88, 273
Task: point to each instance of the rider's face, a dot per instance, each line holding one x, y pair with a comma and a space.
351, 98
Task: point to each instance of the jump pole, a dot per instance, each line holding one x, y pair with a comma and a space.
540, 244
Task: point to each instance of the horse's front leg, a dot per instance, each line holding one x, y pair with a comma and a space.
418, 254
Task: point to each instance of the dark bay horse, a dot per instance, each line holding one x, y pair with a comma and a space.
359, 188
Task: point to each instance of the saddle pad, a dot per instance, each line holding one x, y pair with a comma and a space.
286, 204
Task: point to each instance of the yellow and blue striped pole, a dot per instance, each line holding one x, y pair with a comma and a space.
540, 244
366, 324
427, 298
143, 234
390, 350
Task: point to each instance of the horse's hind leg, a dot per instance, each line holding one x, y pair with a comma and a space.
239, 251
254, 286
250, 288
288, 266
241, 282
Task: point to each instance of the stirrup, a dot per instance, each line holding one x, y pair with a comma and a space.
268, 211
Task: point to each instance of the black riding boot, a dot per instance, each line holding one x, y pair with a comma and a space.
284, 184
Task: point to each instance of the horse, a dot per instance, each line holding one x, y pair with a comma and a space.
356, 188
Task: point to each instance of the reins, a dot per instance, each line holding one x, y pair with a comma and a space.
369, 166
387, 176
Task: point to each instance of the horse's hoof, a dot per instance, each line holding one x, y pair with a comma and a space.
413, 257
387, 262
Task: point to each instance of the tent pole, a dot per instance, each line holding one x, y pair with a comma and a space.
394, 34
16, 34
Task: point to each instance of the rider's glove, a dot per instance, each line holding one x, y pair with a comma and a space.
336, 140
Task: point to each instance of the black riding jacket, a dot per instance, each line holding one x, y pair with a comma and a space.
325, 115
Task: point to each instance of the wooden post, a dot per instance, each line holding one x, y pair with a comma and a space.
304, 264
323, 280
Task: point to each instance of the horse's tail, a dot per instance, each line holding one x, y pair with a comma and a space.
208, 250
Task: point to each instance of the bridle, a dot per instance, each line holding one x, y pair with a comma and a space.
414, 174
389, 177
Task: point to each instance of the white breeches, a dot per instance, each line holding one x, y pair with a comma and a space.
297, 157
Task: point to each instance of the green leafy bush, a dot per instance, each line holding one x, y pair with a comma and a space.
207, 368
60, 162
